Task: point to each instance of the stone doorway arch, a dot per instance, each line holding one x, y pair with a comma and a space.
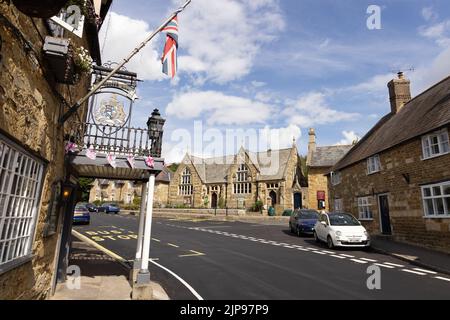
214, 200
273, 198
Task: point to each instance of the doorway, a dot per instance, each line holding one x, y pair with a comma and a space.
214, 200
384, 215
298, 201
273, 197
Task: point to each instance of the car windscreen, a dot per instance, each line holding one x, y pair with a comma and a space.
343, 220
308, 215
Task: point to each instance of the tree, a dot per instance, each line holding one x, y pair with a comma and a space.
174, 167
85, 188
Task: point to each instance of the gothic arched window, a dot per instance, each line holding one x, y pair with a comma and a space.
186, 188
242, 184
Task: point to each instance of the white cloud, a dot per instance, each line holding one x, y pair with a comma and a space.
429, 14
124, 34
219, 39
439, 32
312, 109
349, 138
218, 108
279, 138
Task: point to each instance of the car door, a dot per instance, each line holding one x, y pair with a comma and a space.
319, 227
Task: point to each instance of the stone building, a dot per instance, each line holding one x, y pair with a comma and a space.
34, 177
319, 162
239, 181
397, 178
125, 192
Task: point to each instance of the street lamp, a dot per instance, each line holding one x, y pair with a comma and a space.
155, 126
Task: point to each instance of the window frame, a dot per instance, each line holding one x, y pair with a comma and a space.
38, 169
426, 139
337, 174
433, 198
364, 203
341, 201
374, 163
185, 188
242, 186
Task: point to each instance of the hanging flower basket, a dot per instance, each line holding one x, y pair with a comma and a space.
41, 8
67, 63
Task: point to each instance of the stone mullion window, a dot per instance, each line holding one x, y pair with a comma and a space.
20, 190
436, 200
242, 185
186, 188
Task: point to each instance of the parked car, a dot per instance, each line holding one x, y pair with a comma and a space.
302, 222
90, 206
81, 214
109, 208
341, 230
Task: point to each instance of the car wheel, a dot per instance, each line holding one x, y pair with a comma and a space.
290, 228
299, 233
316, 237
330, 242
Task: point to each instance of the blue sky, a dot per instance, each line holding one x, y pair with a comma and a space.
283, 65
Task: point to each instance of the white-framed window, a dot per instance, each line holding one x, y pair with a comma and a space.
273, 186
365, 208
242, 185
336, 178
436, 200
373, 164
435, 144
186, 188
339, 205
21, 178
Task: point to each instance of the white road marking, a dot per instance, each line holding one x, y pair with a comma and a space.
347, 256
359, 261
442, 278
312, 249
303, 249
394, 264
384, 266
289, 247
426, 271
328, 252
336, 256
415, 272
369, 260
199, 297
319, 252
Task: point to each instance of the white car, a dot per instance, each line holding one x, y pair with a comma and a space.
341, 230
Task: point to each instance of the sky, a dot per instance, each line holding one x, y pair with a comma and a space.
260, 73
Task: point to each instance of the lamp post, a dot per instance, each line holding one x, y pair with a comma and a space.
142, 289
155, 126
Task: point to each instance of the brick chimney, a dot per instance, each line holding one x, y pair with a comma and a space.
311, 144
399, 92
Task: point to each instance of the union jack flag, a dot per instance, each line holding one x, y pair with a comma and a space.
169, 58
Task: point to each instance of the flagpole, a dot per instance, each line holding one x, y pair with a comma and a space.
80, 102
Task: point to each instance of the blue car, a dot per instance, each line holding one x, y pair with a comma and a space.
302, 222
81, 214
109, 208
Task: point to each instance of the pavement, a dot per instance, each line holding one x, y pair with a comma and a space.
102, 276
421, 257
221, 260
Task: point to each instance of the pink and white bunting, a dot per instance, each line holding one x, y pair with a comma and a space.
131, 161
91, 154
150, 162
112, 160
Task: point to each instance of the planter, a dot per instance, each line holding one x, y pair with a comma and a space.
57, 53
40, 8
